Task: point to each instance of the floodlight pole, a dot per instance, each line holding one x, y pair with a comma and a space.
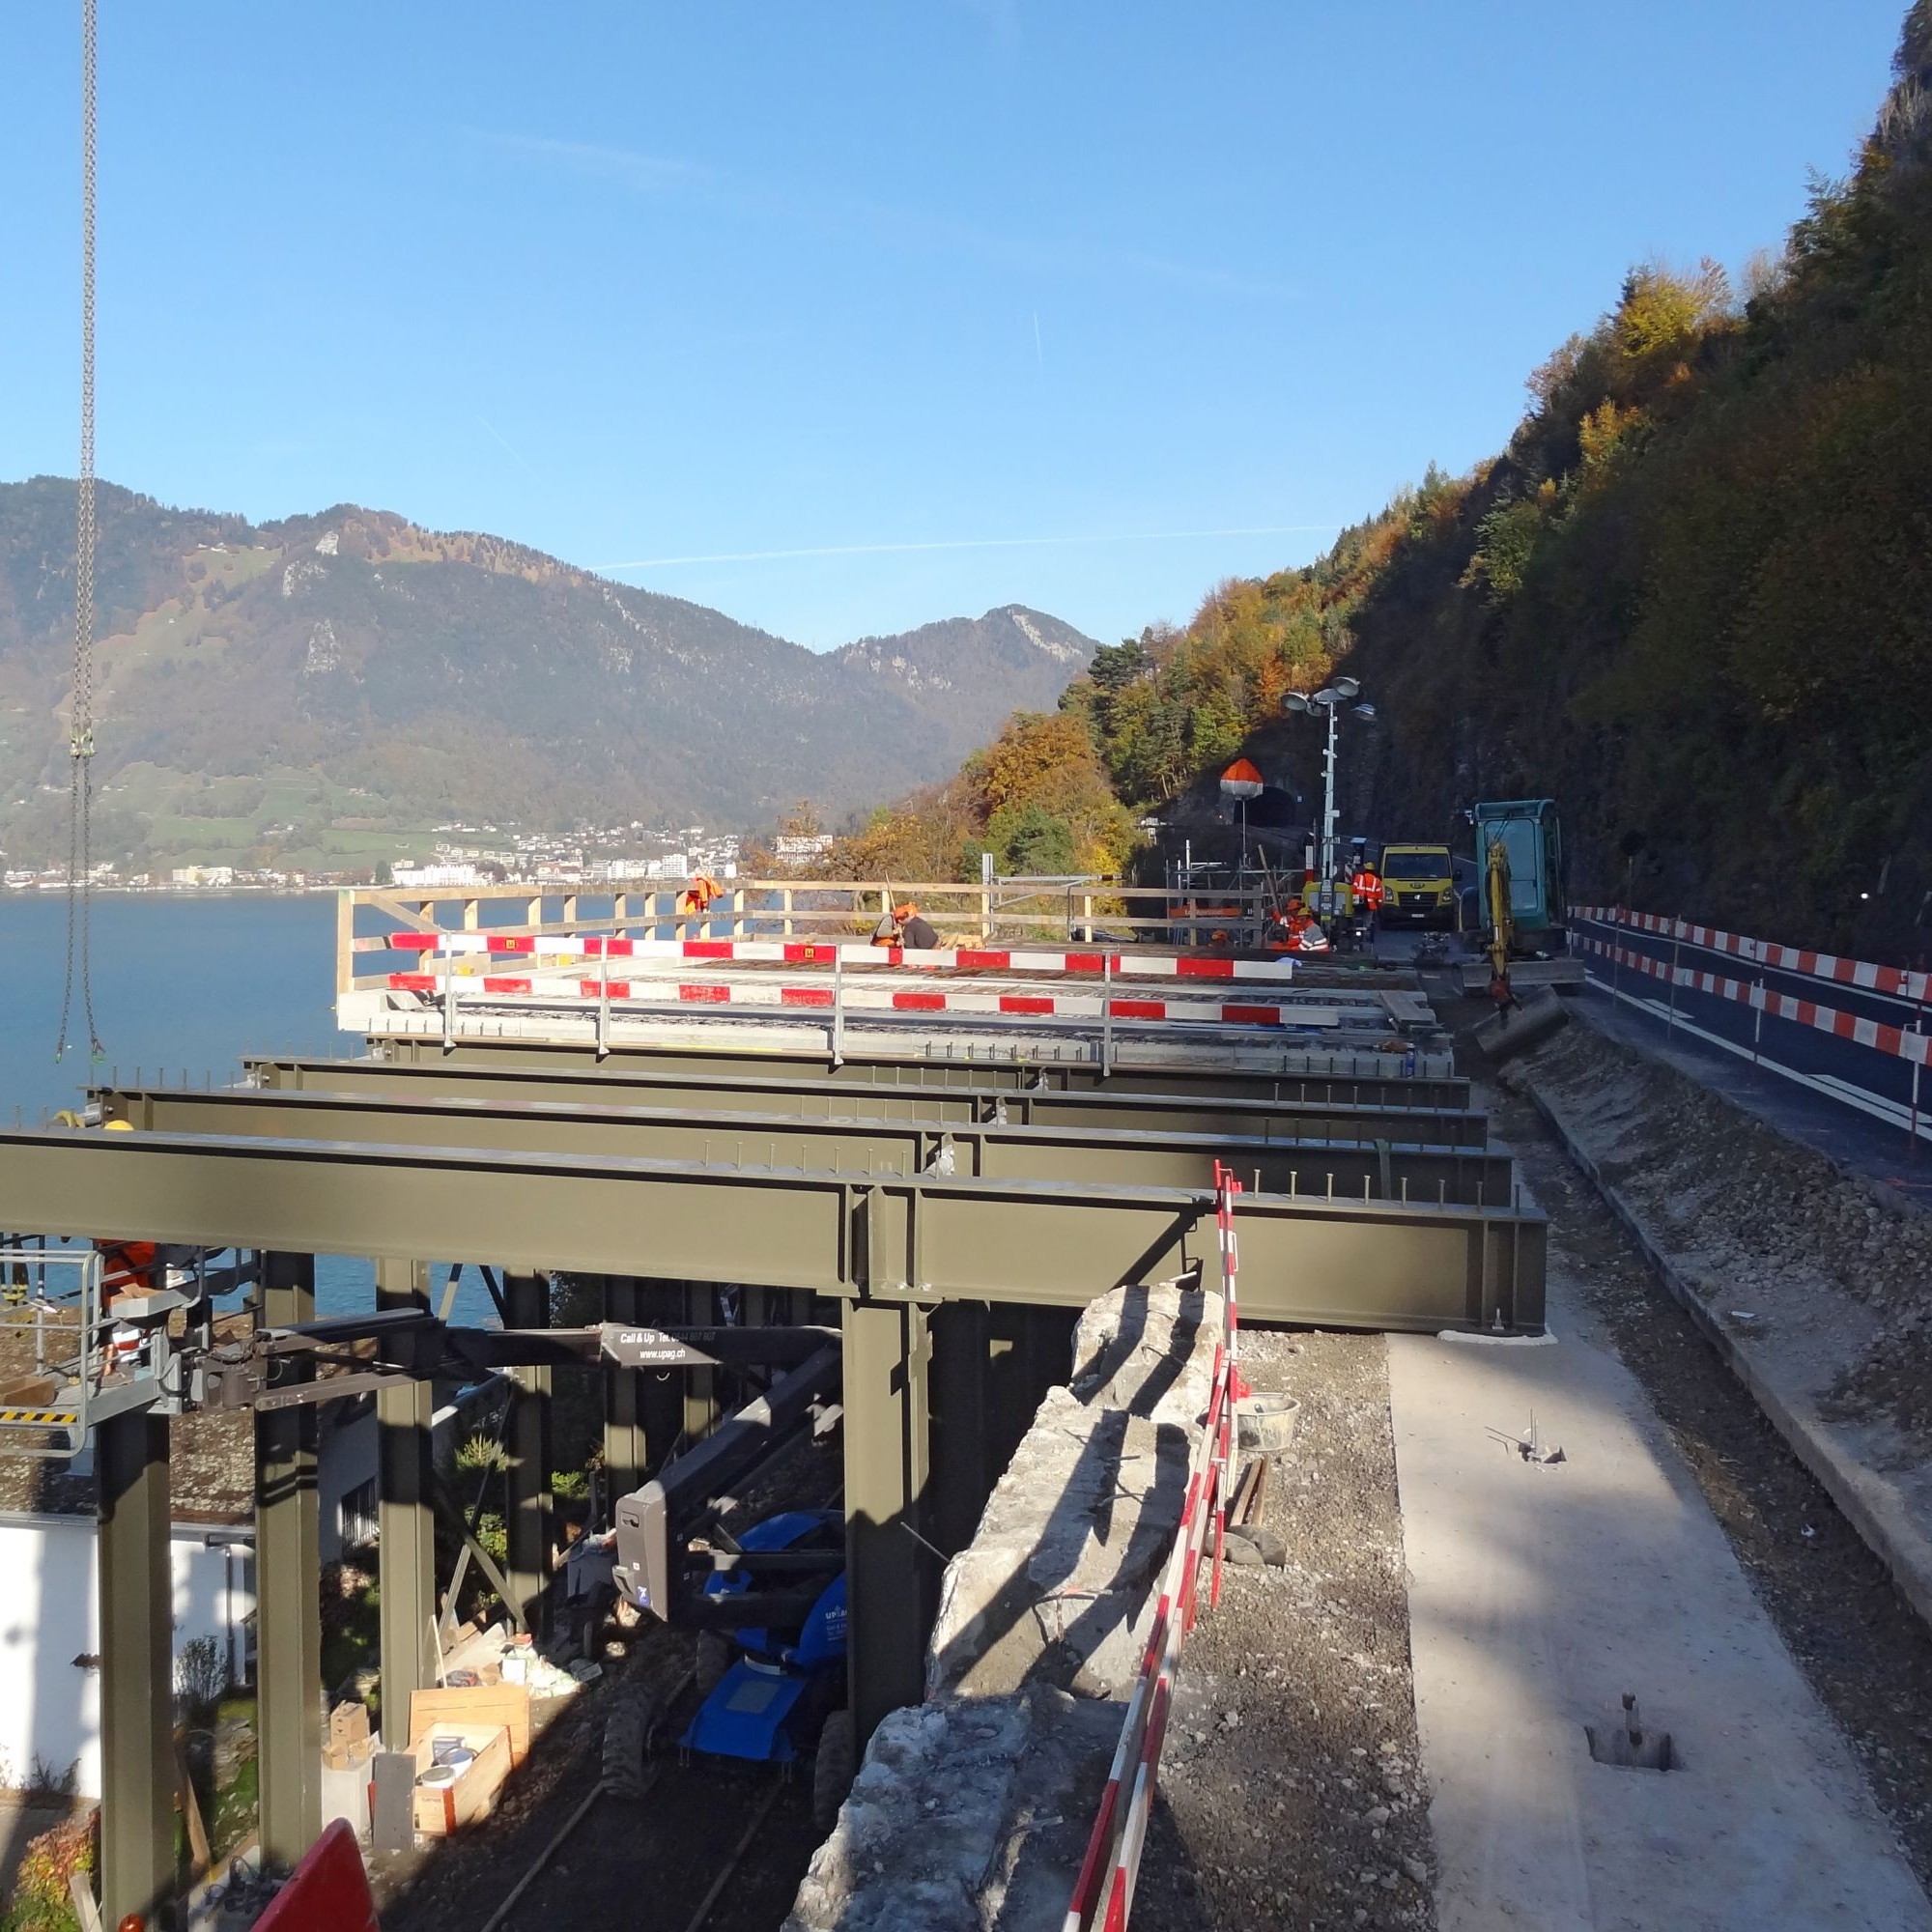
1328, 799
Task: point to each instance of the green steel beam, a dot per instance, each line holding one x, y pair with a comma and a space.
627, 1444
287, 1615
137, 1717
1480, 1176
1343, 1262
405, 1515
916, 1069
891, 1576
527, 1438
749, 1087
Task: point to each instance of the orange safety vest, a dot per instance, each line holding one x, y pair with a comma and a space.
1367, 886
126, 1268
698, 894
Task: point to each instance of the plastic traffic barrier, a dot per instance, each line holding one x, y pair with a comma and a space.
1103, 1892
329, 1891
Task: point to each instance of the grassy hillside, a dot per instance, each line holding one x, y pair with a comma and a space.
1692, 599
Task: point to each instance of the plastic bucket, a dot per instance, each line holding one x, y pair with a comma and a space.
1264, 1424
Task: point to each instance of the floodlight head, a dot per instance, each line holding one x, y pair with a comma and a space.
1327, 695
1348, 687
1295, 700
1365, 711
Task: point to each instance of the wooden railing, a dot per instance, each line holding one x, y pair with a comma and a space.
1076, 911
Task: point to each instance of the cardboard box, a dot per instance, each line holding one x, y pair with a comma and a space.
491, 1721
442, 1810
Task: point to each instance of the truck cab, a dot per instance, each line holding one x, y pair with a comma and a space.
1418, 886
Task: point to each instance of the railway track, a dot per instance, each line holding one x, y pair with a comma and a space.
702, 1851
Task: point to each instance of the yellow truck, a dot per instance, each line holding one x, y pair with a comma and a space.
1418, 886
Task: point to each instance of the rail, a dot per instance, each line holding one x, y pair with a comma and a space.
55, 1348
789, 909
1871, 1060
1103, 1892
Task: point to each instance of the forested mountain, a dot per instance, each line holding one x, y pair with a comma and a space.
410, 677
1692, 599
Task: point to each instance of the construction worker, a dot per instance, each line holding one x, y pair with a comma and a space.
903, 927
1297, 930
915, 933
1365, 888
126, 1268
698, 896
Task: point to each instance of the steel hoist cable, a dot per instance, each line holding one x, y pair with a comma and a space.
80, 720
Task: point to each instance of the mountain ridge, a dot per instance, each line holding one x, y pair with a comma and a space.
454, 675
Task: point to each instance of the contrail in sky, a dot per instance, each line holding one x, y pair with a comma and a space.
964, 543
1037, 351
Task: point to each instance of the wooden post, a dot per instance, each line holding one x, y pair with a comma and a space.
784, 905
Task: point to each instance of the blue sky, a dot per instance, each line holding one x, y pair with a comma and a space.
636, 283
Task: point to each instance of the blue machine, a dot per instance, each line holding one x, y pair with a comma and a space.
771, 1703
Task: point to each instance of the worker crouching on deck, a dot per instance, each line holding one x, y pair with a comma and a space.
903, 927
1296, 930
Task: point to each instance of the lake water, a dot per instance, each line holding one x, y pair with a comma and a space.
181, 984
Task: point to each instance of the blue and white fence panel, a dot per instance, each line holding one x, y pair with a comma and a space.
1849, 1029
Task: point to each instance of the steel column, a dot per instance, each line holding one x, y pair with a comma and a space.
963, 1468
700, 1385
137, 1715
527, 1438
627, 1444
406, 1514
891, 1578
288, 1617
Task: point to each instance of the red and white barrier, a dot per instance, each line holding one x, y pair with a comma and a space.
1896, 981
871, 999
1902, 1043
827, 952
1103, 1892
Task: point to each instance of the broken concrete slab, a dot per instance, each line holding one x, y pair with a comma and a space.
969, 1815
1057, 1584
971, 1811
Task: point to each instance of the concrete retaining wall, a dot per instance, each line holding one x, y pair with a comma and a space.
971, 1811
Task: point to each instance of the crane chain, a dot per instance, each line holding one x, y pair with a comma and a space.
80, 723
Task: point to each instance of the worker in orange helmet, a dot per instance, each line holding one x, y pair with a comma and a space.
1366, 886
1299, 930
903, 927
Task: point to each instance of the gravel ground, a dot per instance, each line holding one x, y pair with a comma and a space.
1867, 1656
1747, 1204
1290, 1783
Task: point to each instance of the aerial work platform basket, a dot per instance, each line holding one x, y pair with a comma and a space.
51, 1358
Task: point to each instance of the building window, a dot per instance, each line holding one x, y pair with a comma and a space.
355, 1516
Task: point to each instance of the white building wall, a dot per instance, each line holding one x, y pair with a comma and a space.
49, 1614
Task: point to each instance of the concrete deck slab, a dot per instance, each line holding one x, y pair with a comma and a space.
1537, 1594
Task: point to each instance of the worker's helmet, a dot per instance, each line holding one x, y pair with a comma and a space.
906, 911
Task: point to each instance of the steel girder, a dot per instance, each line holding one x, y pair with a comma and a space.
810, 1096
1356, 1169
916, 1069
1358, 1264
